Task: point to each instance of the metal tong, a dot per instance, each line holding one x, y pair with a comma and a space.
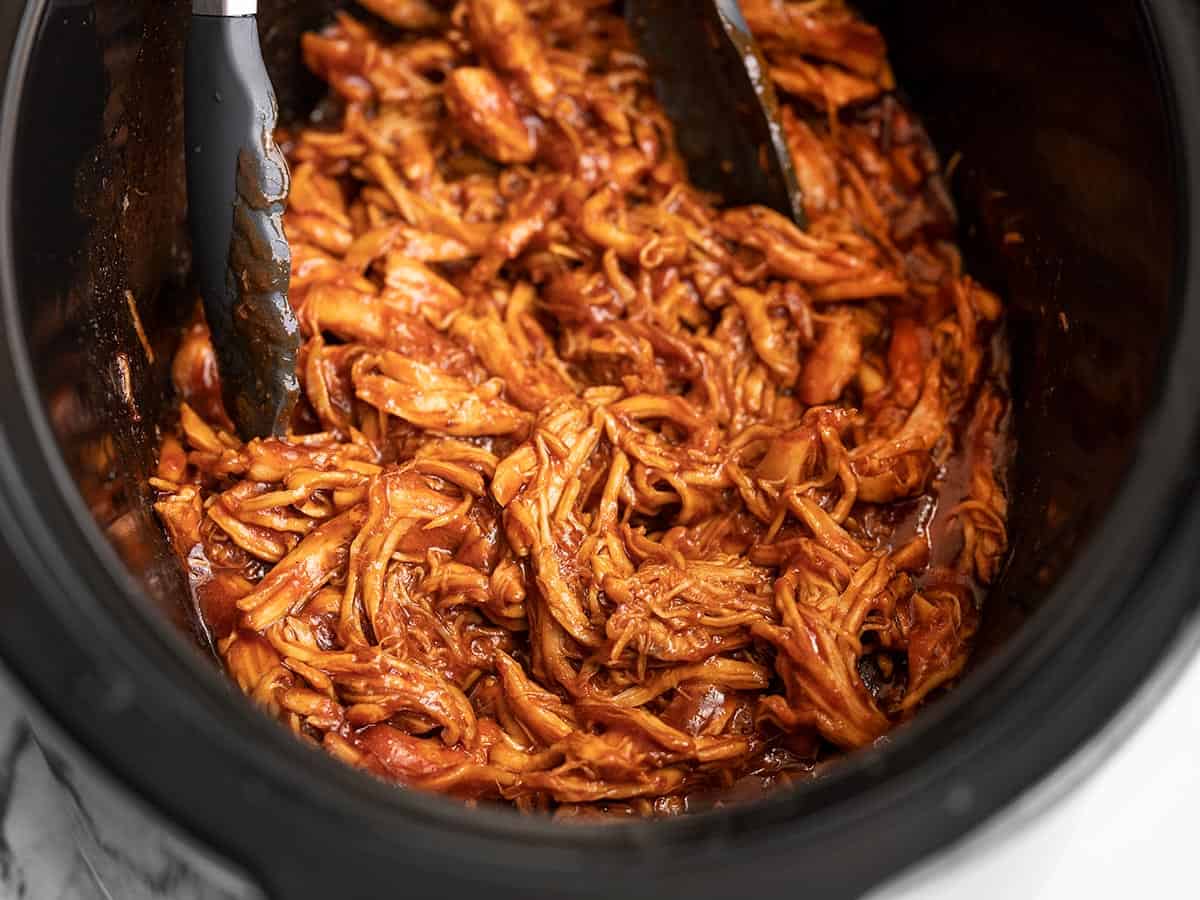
237, 189
712, 79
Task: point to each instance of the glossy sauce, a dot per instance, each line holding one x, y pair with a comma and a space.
602, 497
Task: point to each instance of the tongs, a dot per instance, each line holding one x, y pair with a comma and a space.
237, 188
712, 79
709, 75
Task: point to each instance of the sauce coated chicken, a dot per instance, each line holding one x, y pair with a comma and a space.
602, 497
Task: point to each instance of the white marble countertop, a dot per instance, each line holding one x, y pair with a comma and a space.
1126, 831
49, 851
39, 856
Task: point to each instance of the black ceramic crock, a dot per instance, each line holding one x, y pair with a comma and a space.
1074, 125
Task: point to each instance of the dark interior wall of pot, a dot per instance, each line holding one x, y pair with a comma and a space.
1051, 106
1065, 193
99, 213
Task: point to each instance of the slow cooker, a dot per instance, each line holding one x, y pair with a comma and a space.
1071, 125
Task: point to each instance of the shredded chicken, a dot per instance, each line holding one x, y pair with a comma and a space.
603, 497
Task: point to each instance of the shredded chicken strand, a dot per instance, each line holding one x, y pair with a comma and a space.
603, 497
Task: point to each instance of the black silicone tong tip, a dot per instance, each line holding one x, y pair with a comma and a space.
237, 189
712, 79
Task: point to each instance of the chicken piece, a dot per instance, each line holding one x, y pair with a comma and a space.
889, 468
312, 265
827, 532
376, 685
300, 574
347, 312
262, 543
907, 354
940, 624
685, 615
297, 507
983, 514
774, 342
318, 231
181, 514
256, 668
327, 384
833, 363
417, 15
569, 788
428, 398
172, 461
815, 163
412, 288
900, 470
530, 383
826, 31
424, 211
427, 763
501, 31
195, 377
822, 85
389, 320
539, 523
719, 671
396, 685
428, 246
316, 195
604, 222
798, 455
543, 714
413, 244
819, 656
834, 273
340, 59
272, 459
528, 217
400, 500
637, 722
396, 134
486, 115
